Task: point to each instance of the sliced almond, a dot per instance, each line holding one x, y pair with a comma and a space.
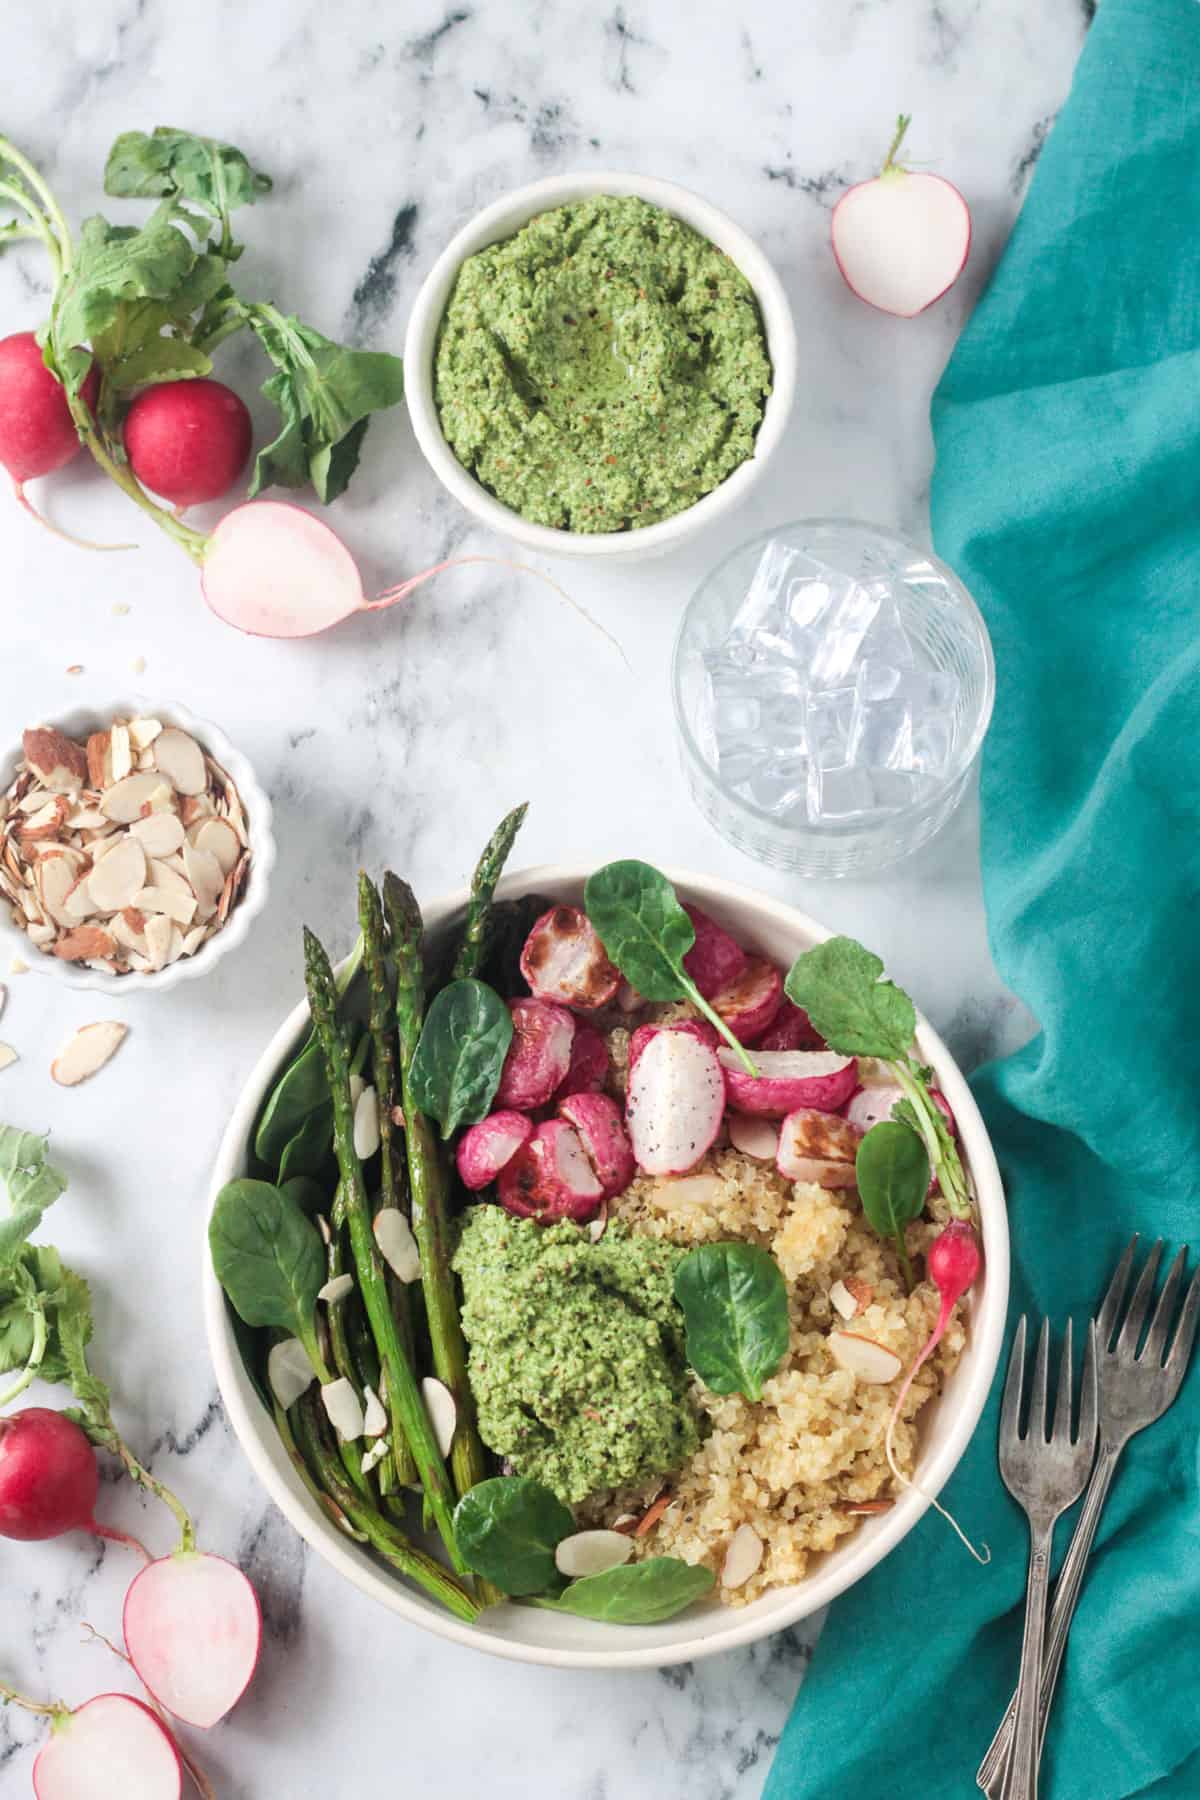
86, 1052
41, 934
8, 1056
120, 751
123, 802
854, 1508
754, 1137
16, 966
177, 906
181, 760
84, 942
443, 1413
366, 1124
866, 1359
220, 840
194, 807
743, 1557
47, 822
142, 733
119, 876
87, 818
861, 1291
375, 1419
592, 1553
338, 1287
57, 760
397, 1245
99, 760
206, 877
128, 935
289, 1371
78, 903
175, 947
843, 1300
686, 1191
55, 879
157, 938
193, 939
160, 834
343, 1408
162, 875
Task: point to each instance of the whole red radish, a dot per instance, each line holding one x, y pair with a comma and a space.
48, 1476
188, 440
110, 1746
902, 239
37, 432
193, 1629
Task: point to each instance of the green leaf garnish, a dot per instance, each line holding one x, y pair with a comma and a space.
838, 985
268, 1257
642, 1593
460, 1054
734, 1301
508, 1529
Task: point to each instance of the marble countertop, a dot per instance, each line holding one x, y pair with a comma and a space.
403, 737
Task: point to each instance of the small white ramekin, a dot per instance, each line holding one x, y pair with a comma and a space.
257, 810
501, 220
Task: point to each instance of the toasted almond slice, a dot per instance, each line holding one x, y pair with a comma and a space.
8, 1056
375, 1419
289, 1371
181, 760
158, 835
30, 802
686, 1191
31, 906
161, 800
193, 939
866, 1359
219, 839
123, 802
592, 1553
99, 760
180, 907
56, 759
194, 807
335, 1289
158, 938
743, 1557
55, 878
861, 1292
443, 1413
397, 1245
119, 876
175, 947
18, 966
141, 964
843, 1300
206, 876
85, 942
626, 1522
145, 761
162, 875
40, 933
653, 1514
121, 751
89, 1050
48, 822
142, 733
128, 935
855, 1507
344, 1409
366, 1124
78, 903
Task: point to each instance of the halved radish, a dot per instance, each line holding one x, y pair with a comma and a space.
758, 1138
700, 1029
872, 1105
110, 1746
597, 1119
587, 1071
750, 1002
788, 1080
193, 1629
564, 960
715, 959
539, 1055
550, 1177
818, 1146
485, 1148
675, 1102
901, 239
790, 1029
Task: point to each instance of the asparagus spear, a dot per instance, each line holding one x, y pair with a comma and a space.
380, 1533
335, 1315
323, 1500
483, 885
410, 1421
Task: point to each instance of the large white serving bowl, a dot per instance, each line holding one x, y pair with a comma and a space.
529, 1634
503, 219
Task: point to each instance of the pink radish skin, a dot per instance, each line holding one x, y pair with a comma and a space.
715, 959
953, 1263
111, 1748
700, 1029
675, 1103
872, 1105
484, 1149
788, 1080
756, 1137
564, 960
550, 1177
818, 1146
587, 1071
539, 1055
193, 1629
48, 1476
37, 432
790, 1030
188, 441
902, 239
749, 1004
597, 1119
943, 1105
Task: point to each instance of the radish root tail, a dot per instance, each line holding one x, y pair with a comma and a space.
983, 1555
203, 1785
57, 531
114, 1536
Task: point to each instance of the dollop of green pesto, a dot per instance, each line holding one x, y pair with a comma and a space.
576, 1355
603, 369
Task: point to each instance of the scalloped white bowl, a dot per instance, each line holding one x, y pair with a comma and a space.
257, 808
527, 1634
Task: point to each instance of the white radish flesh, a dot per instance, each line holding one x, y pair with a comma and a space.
788, 1079
289, 1371
550, 1177
597, 1119
539, 1055
112, 1745
872, 1105
902, 239
273, 570
564, 960
488, 1146
592, 1553
675, 1103
749, 1003
193, 1629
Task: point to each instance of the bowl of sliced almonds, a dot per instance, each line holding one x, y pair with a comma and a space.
135, 847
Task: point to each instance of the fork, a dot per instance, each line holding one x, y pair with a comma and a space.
1134, 1391
1044, 1475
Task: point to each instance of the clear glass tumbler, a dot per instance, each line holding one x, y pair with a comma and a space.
943, 624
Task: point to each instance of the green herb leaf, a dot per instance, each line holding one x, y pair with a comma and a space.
302, 1089
734, 1302
114, 265
508, 1529
268, 1257
460, 1054
177, 165
837, 984
643, 1593
30, 1183
307, 1194
308, 1154
893, 1176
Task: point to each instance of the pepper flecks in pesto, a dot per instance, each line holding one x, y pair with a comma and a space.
576, 1359
603, 369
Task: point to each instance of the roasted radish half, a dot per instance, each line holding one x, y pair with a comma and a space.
597, 1119
818, 1146
675, 1102
749, 1003
539, 1055
550, 1177
484, 1149
714, 960
564, 960
788, 1080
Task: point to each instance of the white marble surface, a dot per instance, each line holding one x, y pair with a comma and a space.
402, 738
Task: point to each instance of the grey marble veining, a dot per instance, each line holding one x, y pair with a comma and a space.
405, 735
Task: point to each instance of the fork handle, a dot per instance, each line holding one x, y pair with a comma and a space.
1021, 1776
1066, 1597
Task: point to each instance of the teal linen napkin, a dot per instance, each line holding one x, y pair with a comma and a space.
1067, 494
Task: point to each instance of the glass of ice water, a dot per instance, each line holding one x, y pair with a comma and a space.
833, 685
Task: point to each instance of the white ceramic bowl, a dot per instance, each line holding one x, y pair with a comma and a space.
81, 722
502, 220
528, 1634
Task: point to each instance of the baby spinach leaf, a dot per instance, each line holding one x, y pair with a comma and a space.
309, 1195
734, 1302
175, 164
302, 1090
113, 265
893, 1179
460, 1054
267, 1256
837, 984
309, 1152
643, 1593
31, 1185
647, 934
508, 1529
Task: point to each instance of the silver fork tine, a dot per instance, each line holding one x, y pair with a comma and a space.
1110, 1306
1089, 1399
1037, 1393
1164, 1312
1010, 1412
1061, 1430
1135, 1318
1181, 1349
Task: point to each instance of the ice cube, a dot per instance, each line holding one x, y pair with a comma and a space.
876, 681
738, 761
756, 678
735, 717
842, 628
781, 722
828, 719
779, 786
896, 789
882, 735
886, 640
764, 610
839, 794
932, 742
